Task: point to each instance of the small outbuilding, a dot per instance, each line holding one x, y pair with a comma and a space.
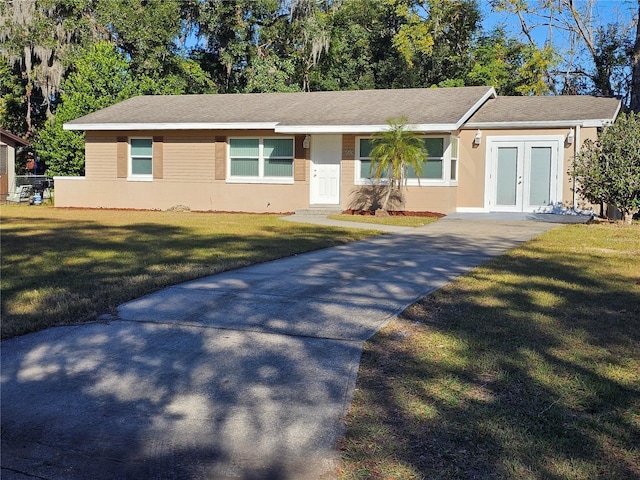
282, 152
9, 145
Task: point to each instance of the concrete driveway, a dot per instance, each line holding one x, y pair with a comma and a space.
246, 374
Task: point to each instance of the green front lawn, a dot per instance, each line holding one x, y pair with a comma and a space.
526, 368
62, 266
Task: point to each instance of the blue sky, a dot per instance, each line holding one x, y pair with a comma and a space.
604, 11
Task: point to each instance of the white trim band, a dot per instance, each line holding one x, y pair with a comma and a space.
170, 126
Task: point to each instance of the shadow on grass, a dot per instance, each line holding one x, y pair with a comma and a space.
233, 376
65, 271
527, 369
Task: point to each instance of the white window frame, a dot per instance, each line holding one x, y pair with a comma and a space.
422, 182
261, 178
138, 177
453, 172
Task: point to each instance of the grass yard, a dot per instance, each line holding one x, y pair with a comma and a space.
396, 221
527, 368
63, 266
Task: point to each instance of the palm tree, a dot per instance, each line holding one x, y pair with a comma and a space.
394, 151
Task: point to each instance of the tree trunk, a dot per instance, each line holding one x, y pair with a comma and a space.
385, 204
635, 69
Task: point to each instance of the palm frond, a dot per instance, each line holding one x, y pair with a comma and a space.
394, 151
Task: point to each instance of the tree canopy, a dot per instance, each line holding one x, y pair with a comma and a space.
593, 42
100, 78
231, 46
608, 170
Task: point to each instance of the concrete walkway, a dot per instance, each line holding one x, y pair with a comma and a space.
246, 374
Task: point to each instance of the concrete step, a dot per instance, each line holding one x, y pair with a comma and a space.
329, 210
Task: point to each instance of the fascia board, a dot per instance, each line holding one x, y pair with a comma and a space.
171, 126
10, 136
319, 129
538, 124
491, 93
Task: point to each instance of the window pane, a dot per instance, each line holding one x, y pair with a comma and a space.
540, 183
278, 147
141, 147
278, 168
411, 172
454, 147
244, 167
434, 146
507, 176
365, 169
244, 147
365, 147
431, 169
141, 166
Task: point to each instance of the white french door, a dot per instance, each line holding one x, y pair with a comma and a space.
326, 154
525, 176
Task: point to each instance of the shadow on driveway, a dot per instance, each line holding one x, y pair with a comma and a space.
246, 374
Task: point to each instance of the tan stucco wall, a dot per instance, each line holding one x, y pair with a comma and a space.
414, 199
471, 170
441, 199
164, 194
188, 179
189, 176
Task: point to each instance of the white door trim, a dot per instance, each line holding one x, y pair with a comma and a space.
557, 174
325, 172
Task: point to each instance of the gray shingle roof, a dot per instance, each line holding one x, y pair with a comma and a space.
346, 108
567, 108
325, 112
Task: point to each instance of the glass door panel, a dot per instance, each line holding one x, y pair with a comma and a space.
507, 176
539, 172
524, 175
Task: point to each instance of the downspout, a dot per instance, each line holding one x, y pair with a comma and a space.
576, 150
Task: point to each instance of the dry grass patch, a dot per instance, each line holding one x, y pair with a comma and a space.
526, 368
62, 266
396, 221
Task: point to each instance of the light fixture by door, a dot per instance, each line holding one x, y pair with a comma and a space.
306, 142
570, 137
478, 138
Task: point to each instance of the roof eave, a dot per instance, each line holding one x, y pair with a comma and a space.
615, 115
541, 124
16, 139
170, 126
285, 129
336, 129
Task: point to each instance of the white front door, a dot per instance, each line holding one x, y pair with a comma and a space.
326, 154
525, 176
